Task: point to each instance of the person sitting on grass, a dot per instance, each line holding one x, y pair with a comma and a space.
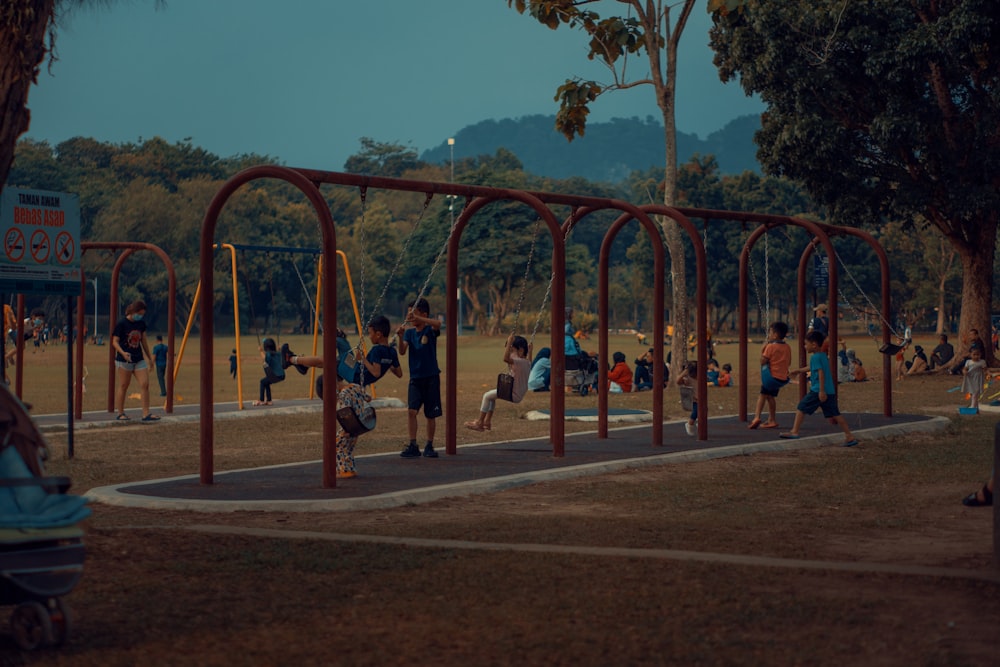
620, 375
725, 376
515, 355
822, 391
919, 362
541, 371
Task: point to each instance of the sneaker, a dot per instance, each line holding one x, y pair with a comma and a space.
346, 474
411, 452
286, 356
429, 452
301, 369
689, 428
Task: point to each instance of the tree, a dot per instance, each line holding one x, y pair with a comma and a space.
27, 35
882, 108
647, 29
377, 158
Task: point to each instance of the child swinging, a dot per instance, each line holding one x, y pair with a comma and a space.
516, 355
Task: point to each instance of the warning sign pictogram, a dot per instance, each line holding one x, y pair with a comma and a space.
40, 246
13, 244
65, 248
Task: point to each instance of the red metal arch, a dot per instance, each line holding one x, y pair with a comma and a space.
129, 247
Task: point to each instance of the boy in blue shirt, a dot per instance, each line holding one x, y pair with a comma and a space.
418, 335
822, 390
368, 371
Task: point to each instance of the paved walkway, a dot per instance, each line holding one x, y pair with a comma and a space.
386, 480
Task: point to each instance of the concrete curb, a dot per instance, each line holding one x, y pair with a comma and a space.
112, 495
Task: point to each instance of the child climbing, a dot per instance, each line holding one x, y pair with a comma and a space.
515, 355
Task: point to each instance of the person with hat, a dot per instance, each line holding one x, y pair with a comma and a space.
820, 322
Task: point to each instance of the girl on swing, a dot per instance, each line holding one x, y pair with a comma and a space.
273, 371
516, 355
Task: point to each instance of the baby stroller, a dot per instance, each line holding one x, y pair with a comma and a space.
41, 547
581, 373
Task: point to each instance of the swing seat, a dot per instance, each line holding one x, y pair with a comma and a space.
890, 348
356, 424
505, 387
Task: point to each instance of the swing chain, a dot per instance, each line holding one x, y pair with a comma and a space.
527, 272
402, 254
857, 313
753, 278
437, 260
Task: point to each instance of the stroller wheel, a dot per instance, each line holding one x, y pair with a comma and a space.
31, 626
61, 618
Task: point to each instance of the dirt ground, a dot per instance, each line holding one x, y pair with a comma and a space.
679, 564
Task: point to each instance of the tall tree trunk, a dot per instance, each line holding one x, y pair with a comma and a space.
23, 24
977, 257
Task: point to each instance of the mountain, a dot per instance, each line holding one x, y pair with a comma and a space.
608, 152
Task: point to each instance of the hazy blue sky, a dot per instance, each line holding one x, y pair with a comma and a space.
303, 80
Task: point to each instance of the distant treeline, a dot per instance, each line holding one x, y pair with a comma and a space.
158, 192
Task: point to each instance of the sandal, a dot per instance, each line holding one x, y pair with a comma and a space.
474, 426
754, 424
972, 500
769, 425
150, 418
123, 418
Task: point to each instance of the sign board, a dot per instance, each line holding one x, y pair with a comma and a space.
821, 272
41, 242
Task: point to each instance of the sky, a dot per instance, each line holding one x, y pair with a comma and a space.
305, 82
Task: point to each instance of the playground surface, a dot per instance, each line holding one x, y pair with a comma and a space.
803, 548
386, 480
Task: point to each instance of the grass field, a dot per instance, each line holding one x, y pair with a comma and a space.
155, 593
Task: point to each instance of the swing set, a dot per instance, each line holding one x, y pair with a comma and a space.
315, 309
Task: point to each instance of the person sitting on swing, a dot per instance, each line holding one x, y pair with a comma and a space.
373, 367
515, 355
349, 395
273, 370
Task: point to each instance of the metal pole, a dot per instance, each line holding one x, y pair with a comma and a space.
451, 212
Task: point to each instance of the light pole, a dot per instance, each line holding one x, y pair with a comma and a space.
451, 212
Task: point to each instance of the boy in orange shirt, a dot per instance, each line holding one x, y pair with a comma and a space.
775, 359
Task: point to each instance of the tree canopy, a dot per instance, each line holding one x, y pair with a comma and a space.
882, 110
